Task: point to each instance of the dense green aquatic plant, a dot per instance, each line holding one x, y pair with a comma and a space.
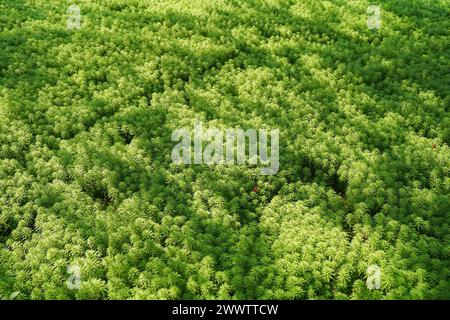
86, 177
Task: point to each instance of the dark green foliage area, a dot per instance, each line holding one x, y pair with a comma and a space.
86, 176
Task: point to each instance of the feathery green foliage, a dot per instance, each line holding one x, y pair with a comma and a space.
86, 176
